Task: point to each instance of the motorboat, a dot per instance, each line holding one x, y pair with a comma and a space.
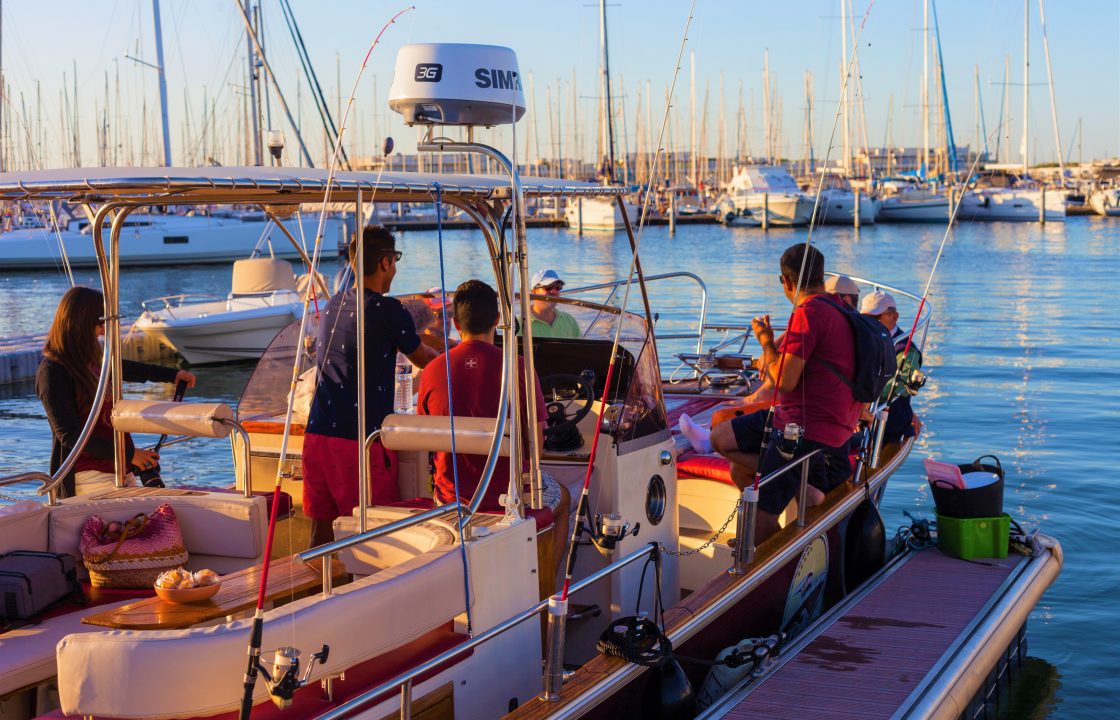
838, 203
998, 195
419, 606
906, 199
1105, 200
758, 191
156, 238
265, 296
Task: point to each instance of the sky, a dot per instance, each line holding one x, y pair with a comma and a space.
47, 41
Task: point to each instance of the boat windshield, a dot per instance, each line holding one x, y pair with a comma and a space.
636, 386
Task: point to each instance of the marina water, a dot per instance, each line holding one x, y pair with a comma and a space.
1023, 358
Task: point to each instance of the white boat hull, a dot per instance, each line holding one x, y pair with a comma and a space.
779, 208
902, 209
598, 215
221, 331
1106, 202
838, 207
174, 240
1012, 205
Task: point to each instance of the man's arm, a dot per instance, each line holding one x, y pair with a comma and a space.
422, 355
792, 366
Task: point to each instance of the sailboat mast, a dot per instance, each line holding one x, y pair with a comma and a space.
925, 89
692, 159
845, 91
1050, 81
162, 86
606, 72
1026, 86
255, 138
766, 107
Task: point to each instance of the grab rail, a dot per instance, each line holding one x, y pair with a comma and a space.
614, 285
345, 709
743, 552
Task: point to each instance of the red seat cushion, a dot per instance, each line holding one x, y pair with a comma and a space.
709, 467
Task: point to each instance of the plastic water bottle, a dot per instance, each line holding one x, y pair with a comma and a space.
402, 389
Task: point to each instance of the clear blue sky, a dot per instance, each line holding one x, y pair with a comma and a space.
204, 46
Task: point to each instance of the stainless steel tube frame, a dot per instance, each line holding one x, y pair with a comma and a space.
743, 554
554, 653
246, 456
360, 309
314, 277
518, 261
348, 708
113, 335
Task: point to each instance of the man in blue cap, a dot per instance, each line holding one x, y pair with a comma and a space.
548, 320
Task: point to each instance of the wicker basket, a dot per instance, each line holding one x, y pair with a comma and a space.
147, 546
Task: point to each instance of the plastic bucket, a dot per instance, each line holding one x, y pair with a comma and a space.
983, 501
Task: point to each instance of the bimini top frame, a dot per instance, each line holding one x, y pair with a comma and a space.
271, 185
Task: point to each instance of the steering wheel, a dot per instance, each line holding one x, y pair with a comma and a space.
568, 399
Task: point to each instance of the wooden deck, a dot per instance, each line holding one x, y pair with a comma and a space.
869, 661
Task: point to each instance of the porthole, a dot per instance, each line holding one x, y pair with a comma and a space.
656, 496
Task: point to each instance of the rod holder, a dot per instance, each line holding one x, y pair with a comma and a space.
743, 553
877, 442
554, 654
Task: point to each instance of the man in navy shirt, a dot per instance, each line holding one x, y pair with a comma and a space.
330, 444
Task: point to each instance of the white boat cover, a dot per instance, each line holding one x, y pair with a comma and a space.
172, 418
262, 275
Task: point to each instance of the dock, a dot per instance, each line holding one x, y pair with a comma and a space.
929, 637
20, 356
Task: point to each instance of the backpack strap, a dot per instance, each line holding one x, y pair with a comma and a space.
828, 363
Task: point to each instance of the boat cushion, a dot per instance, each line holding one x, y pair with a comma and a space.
219, 524
210, 420
165, 669
710, 467
23, 526
27, 655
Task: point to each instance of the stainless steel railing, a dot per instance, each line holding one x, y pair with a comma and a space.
743, 553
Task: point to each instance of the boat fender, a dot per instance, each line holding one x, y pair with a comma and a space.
865, 544
751, 656
668, 694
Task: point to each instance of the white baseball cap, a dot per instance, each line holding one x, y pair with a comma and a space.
841, 285
877, 303
545, 277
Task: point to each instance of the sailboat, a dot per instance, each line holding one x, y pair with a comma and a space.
597, 214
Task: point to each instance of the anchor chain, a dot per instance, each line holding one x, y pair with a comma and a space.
709, 541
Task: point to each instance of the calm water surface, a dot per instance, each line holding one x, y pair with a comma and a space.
1023, 358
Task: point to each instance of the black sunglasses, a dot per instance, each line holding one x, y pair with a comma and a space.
395, 254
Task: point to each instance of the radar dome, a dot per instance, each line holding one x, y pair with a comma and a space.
457, 84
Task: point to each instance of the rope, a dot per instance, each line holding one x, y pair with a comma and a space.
451, 408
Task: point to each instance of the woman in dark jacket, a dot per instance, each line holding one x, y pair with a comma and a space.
67, 382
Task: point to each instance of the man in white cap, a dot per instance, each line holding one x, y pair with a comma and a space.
901, 420
845, 287
548, 321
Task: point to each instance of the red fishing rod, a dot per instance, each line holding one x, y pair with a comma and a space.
256, 635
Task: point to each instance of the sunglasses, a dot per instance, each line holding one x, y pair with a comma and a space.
395, 254
553, 289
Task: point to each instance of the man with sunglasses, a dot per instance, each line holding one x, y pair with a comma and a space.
548, 320
330, 443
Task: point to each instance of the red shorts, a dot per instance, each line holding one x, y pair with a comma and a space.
330, 476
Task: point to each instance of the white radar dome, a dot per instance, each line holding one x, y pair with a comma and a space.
457, 84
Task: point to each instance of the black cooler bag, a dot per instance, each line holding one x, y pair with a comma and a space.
32, 581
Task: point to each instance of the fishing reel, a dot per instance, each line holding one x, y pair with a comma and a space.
284, 679
914, 380
789, 441
609, 530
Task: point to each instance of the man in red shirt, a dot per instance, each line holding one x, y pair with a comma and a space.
810, 394
476, 377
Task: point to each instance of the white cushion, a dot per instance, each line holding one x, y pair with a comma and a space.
704, 504
27, 655
166, 669
221, 524
23, 526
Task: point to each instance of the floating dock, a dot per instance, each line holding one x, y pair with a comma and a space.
929, 637
20, 356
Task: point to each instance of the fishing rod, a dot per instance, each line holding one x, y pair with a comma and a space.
256, 635
618, 532
768, 426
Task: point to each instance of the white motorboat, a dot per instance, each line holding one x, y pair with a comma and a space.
838, 203
906, 199
1002, 196
769, 190
265, 296
1106, 201
596, 214
158, 239
418, 606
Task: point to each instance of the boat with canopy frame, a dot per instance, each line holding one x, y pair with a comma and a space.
439, 606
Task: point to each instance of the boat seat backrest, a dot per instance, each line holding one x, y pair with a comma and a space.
221, 531
211, 420
433, 433
262, 275
166, 669
23, 526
